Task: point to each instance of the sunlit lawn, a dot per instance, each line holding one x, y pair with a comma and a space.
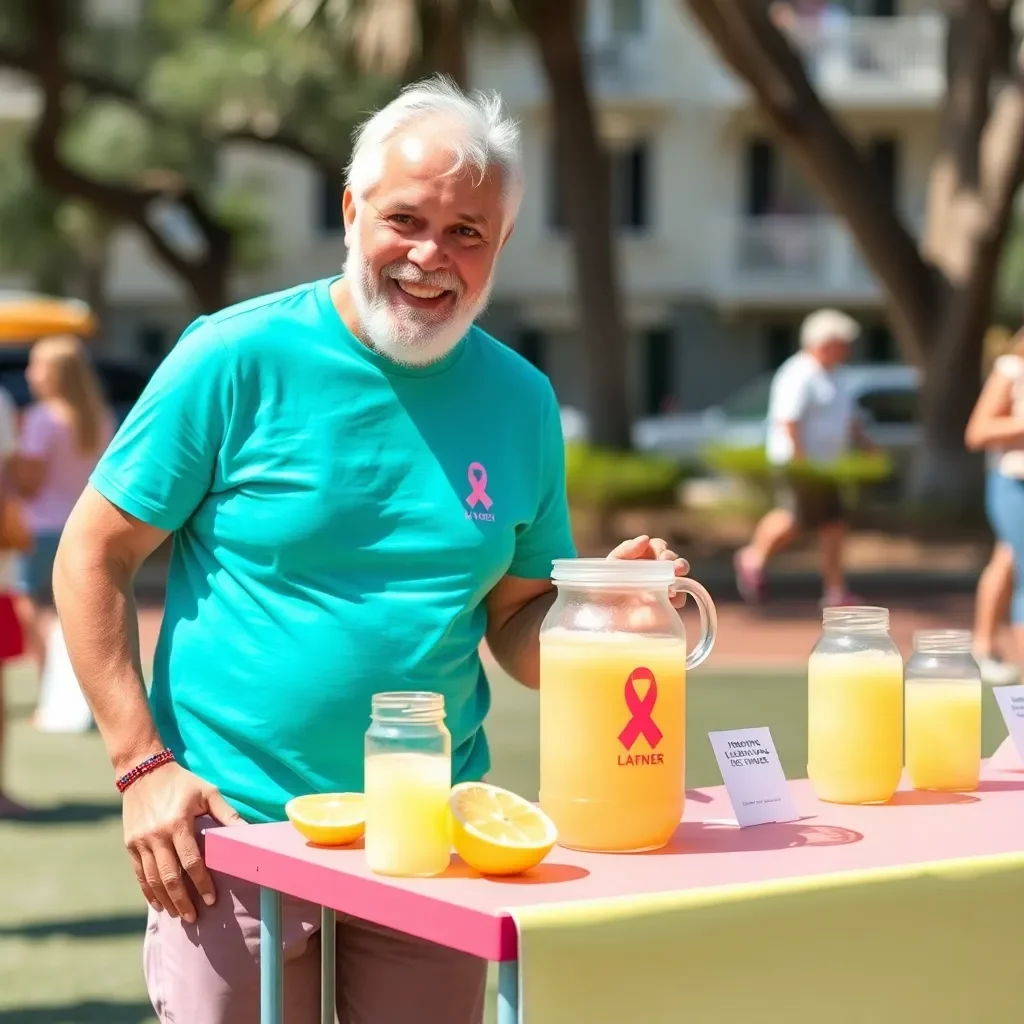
70, 917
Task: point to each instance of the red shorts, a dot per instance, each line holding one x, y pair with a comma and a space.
12, 637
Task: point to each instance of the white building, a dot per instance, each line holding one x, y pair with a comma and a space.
724, 248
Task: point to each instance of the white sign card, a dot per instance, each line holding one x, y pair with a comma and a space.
1011, 703
753, 776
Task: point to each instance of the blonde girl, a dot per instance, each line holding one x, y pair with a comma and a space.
63, 434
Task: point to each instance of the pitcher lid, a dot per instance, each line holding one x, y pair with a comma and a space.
629, 572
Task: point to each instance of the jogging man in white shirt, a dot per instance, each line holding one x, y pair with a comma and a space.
812, 418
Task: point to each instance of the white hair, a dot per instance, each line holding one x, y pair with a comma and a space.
484, 137
828, 325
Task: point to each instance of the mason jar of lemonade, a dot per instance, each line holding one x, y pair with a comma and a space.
408, 775
943, 712
613, 661
855, 708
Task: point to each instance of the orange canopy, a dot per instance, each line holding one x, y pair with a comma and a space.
24, 317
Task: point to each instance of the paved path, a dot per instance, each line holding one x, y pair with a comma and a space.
778, 635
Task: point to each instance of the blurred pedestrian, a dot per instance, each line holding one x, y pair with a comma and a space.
11, 632
991, 609
63, 434
811, 422
996, 426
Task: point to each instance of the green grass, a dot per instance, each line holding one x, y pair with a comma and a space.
71, 917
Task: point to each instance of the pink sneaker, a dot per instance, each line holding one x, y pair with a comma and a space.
749, 581
841, 599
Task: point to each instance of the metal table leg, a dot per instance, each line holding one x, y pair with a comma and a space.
508, 992
326, 965
271, 959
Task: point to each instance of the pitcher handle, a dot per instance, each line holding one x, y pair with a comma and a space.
708, 620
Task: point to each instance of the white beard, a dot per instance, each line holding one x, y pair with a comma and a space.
405, 335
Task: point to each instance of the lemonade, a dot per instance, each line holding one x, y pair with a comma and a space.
944, 734
855, 725
407, 814
612, 738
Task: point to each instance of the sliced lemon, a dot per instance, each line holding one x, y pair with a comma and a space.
328, 819
497, 832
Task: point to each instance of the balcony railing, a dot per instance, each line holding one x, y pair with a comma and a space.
790, 258
886, 57
622, 68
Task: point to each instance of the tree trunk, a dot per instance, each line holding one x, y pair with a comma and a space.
586, 196
443, 24
940, 294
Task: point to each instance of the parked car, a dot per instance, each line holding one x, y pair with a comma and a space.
886, 396
122, 380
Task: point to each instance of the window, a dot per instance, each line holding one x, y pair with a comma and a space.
872, 8
775, 185
152, 341
879, 345
890, 406
780, 344
627, 17
329, 201
631, 187
630, 183
659, 371
532, 347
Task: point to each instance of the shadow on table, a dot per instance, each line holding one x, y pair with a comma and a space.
928, 798
999, 785
712, 837
88, 1012
78, 928
547, 873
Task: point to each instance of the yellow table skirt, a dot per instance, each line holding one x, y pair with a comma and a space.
939, 943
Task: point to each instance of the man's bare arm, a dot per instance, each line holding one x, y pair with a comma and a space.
100, 552
515, 610
792, 428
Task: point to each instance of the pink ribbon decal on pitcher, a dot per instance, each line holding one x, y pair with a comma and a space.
641, 724
478, 481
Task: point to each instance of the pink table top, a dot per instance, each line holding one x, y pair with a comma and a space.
464, 911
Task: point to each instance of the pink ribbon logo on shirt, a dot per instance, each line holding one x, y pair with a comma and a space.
478, 481
641, 723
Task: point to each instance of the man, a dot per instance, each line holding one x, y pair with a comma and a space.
810, 418
362, 486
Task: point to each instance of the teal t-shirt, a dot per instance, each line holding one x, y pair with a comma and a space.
338, 522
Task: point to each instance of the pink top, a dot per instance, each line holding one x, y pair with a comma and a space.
464, 911
48, 437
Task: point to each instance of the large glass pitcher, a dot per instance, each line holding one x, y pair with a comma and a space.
613, 667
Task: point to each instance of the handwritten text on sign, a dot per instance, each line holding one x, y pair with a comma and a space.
1011, 703
753, 776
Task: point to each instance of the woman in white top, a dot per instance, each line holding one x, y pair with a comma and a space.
996, 426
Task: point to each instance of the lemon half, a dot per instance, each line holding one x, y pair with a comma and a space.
328, 819
497, 832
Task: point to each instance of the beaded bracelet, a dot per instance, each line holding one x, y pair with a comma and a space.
144, 768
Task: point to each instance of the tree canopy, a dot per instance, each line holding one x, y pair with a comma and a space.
136, 112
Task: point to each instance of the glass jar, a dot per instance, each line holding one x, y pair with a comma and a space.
408, 775
613, 667
943, 711
855, 708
